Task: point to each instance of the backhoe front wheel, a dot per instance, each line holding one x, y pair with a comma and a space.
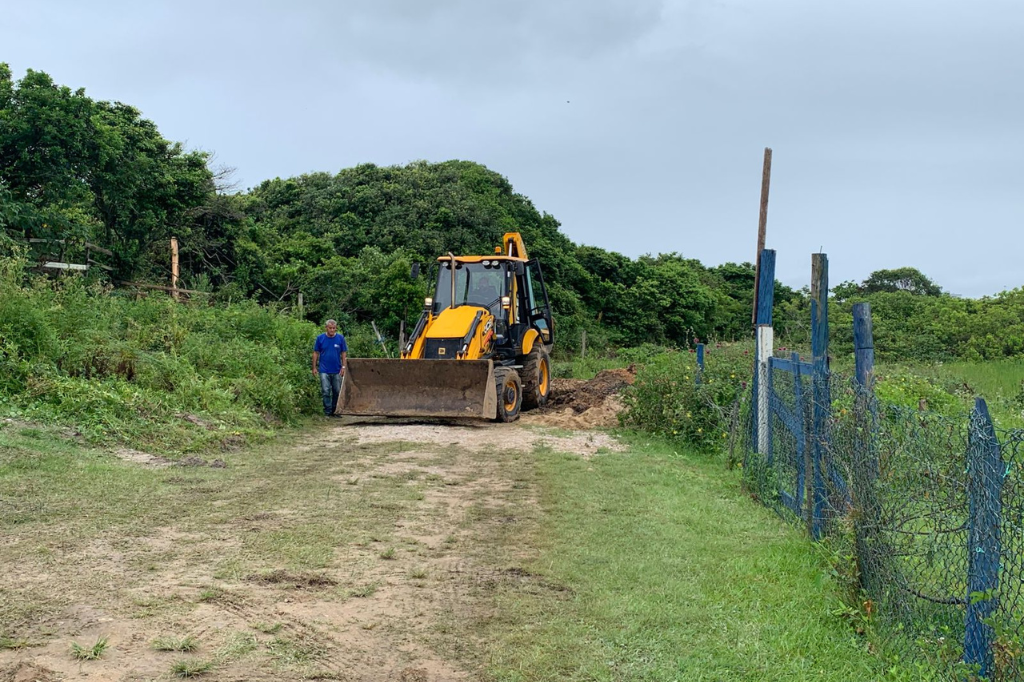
536, 378
510, 394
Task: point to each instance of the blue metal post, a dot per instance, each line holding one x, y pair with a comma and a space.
763, 316
766, 287
865, 466
822, 394
700, 361
984, 481
863, 345
864, 361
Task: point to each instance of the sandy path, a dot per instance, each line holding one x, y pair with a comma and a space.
407, 516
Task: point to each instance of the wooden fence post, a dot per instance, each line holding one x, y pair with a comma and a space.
174, 267
583, 344
984, 488
822, 394
762, 226
302, 311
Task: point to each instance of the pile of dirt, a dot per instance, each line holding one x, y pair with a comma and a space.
579, 404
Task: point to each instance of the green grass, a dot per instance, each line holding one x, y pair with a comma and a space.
295, 650
363, 591
170, 643
951, 387
89, 653
648, 566
191, 668
14, 644
993, 379
656, 567
584, 368
267, 628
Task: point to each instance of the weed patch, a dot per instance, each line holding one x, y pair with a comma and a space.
191, 668
185, 644
91, 653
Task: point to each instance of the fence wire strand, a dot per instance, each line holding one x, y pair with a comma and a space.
910, 501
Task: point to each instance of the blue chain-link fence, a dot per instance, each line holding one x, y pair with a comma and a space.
923, 512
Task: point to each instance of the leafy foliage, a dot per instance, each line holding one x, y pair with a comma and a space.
909, 326
149, 371
667, 400
347, 242
907, 279
75, 170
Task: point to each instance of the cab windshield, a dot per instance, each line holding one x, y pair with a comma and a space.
481, 284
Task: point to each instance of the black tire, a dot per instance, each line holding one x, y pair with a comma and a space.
536, 377
510, 394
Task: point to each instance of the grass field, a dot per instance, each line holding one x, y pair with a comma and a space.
670, 574
952, 387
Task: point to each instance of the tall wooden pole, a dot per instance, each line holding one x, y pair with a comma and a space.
762, 223
174, 267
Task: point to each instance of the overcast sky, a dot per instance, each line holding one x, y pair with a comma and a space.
897, 127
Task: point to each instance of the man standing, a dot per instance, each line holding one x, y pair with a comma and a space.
329, 355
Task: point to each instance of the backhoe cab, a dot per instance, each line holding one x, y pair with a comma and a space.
480, 348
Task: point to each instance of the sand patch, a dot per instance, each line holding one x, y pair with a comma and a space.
142, 458
479, 438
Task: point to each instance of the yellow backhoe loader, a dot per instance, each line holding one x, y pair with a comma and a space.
480, 348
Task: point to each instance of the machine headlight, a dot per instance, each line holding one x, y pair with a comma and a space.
428, 302
506, 301
487, 263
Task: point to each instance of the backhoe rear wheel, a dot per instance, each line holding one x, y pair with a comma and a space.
536, 375
510, 394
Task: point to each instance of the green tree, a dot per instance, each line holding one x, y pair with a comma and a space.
81, 170
907, 279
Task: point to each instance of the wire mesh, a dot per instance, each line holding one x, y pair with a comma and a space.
775, 442
1008, 616
935, 541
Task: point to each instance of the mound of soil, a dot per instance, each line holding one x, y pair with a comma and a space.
575, 403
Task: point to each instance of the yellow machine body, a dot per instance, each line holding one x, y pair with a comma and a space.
458, 360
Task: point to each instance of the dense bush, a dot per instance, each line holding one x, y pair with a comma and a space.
178, 375
667, 400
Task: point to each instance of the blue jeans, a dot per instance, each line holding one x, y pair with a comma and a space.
330, 391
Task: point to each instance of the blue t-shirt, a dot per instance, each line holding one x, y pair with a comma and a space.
330, 350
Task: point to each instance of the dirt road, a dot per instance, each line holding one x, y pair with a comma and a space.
361, 550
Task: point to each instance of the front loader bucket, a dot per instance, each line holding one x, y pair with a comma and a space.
418, 388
